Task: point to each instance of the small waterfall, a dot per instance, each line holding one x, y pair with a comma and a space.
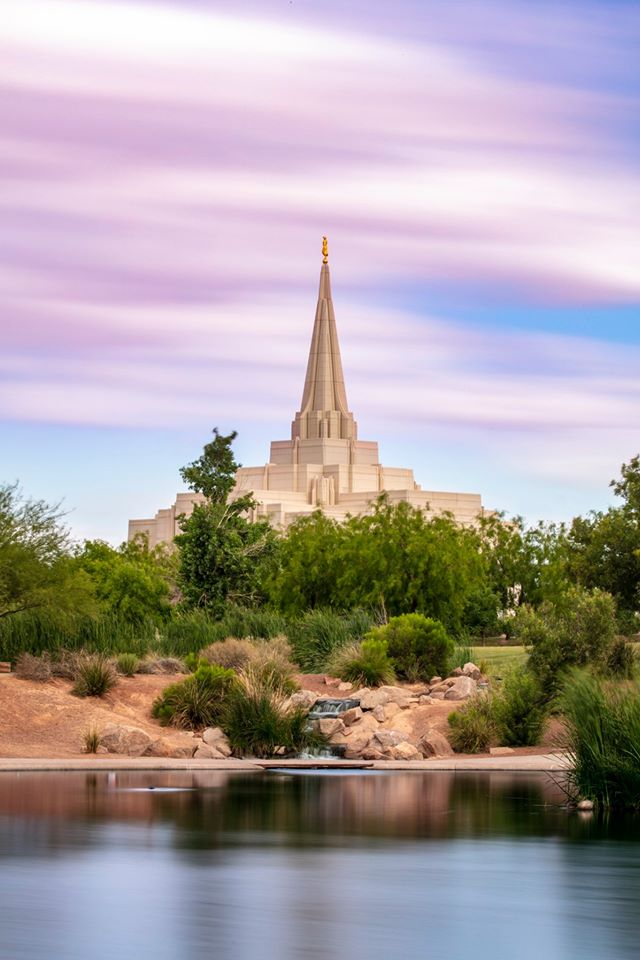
330, 709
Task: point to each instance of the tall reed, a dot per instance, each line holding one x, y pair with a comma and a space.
603, 739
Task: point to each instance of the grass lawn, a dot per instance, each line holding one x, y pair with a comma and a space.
499, 659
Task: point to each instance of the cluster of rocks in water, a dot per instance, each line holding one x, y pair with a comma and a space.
388, 723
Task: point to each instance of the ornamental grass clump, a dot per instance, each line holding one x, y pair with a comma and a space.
260, 721
366, 664
473, 728
520, 709
196, 701
92, 740
602, 723
94, 676
127, 664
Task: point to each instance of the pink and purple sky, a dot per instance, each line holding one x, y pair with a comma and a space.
169, 168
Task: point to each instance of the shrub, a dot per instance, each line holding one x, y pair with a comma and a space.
620, 660
196, 701
65, 664
94, 676
473, 727
366, 663
259, 720
232, 654
520, 710
603, 739
462, 654
29, 667
272, 660
156, 665
127, 664
579, 629
92, 741
419, 647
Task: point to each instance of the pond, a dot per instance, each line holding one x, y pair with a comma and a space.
356, 865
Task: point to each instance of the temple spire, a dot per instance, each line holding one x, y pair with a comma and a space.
324, 411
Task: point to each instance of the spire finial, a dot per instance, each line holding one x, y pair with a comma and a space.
325, 250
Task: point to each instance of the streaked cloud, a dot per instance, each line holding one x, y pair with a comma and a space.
168, 169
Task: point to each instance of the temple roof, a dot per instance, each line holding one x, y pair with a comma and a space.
324, 411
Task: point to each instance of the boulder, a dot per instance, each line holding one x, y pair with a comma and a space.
435, 680
119, 738
332, 681
456, 672
501, 751
168, 747
345, 685
378, 713
351, 716
303, 698
443, 685
206, 752
425, 699
437, 694
390, 738
216, 738
370, 699
463, 687
404, 751
434, 744
372, 753
470, 670
329, 726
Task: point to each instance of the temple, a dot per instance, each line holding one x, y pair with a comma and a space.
324, 465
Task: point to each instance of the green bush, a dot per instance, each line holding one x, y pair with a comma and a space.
579, 629
520, 710
418, 646
127, 664
197, 700
602, 722
473, 728
259, 720
462, 654
620, 660
94, 676
366, 663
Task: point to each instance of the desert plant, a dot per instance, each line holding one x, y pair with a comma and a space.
366, 663
232, 653
602, 724
65, 664
418, 646
196, 701
473, 727
259, 720
520, 709
91, 740
272, 660
127, 664
94, 676
29, 667
159, 665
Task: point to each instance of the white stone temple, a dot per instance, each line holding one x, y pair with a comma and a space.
324, 465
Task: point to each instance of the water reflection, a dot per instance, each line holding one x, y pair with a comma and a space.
199, 864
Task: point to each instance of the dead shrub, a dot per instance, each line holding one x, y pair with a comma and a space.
29, 667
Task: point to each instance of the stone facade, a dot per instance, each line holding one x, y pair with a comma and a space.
324, 465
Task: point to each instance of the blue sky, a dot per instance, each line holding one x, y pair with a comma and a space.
168, 170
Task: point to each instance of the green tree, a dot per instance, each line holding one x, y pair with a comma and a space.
603, 549
220, 549
36, 569
132, 582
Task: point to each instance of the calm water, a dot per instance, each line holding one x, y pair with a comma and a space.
290, 865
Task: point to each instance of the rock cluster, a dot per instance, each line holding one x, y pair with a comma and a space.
135, 742
394, 723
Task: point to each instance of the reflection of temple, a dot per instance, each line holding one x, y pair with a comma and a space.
323, 465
